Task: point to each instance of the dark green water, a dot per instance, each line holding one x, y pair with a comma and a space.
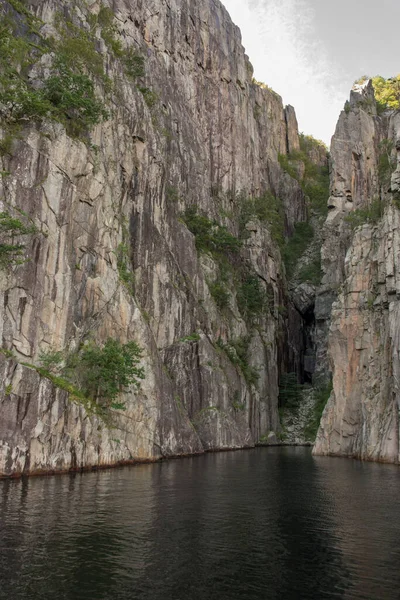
264, 524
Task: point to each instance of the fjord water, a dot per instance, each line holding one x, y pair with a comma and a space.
269, 523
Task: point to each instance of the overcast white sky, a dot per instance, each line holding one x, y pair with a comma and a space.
311, 51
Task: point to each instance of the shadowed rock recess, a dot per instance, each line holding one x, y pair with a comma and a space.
149, 191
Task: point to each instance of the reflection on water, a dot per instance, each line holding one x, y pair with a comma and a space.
264, 524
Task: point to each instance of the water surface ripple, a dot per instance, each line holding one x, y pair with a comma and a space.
264, 524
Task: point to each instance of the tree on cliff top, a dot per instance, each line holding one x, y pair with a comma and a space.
387, 91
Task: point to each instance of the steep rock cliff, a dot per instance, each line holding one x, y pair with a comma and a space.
359, 300
112, 255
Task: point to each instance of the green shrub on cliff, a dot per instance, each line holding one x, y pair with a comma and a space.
76, 70
68, 95
133, 64
210, 236
318, 191
306, 165
105, 19
77, 49
289, 391
220, 294
315, 184
312, 271
313, 178
308, 143
215, 239
73, 96
251, 297
51, 360
94, 374
370, 214
296, 245
262, 85
124, 267
12, 230
132, 61
286, 161
102, 373
267, 209
321, 397
18, 99
238, 353
387, 91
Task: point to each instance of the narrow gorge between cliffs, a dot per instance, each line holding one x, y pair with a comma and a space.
184, 273
181, 270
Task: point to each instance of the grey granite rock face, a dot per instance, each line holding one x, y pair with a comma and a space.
354, 182
304, 297
361, 283
292, 135
210, 135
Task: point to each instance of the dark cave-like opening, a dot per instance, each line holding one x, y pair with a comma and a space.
309, 351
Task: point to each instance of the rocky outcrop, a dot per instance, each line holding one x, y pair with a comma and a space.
296, 422
354, 183
361, 283
111, 255
292, 130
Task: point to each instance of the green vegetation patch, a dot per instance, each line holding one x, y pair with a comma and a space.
237, 405
67, 96
72, 95
264, 86
12, 230
251, 297
288, 164
238, 353
17, 97
132, 61
95, 375
7, 353
193, 337
321, 396
150, 97
124, 267
77, 47
318, 191
312, 271
387, 91
133, 64
370, 214
290, 391
267, 209
220, 294
210, 236
214, 239
77, 70
297, 245
315, 180
291, 395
